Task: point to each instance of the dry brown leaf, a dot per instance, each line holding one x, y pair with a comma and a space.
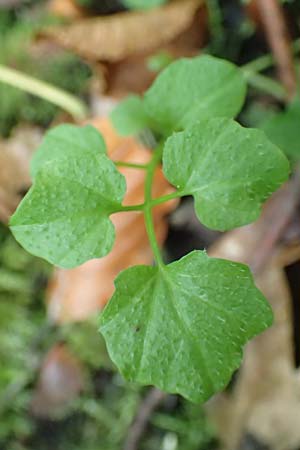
76, 294
15, 154
60, 381
118, 36
133, 75
265, 400
266, 395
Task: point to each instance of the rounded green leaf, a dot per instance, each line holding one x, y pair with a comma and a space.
182, 328
192, 89
64, 217
229, 170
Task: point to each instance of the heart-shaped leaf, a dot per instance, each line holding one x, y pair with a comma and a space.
64, 218
192, 89
230, 170
182, 327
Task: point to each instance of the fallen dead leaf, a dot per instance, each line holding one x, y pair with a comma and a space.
132, 74
15, 154
60, 381
118, 36
77, 293
264, 402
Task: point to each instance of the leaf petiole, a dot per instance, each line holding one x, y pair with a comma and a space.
166, 198
265, 61
154, 202
265, 84
147, 206
124, 208
131, 165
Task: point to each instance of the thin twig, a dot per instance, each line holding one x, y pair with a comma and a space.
149, 404
277, 33
277, 216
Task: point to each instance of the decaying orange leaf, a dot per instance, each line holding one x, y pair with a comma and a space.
66, 8
113, 38
77, 293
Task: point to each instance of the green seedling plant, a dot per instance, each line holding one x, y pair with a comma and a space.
180, 326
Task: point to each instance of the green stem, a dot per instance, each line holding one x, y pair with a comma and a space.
148, 207
139, 207
131, 165
265, 84
259, 64
262, 82
266, 61
149, 203
57, 96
